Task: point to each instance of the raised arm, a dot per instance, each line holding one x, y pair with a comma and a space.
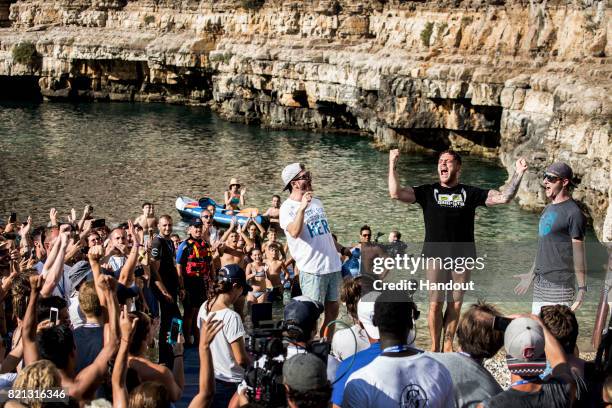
295, 227
91, 376
120, 394
261, 229
229, 230
396, 192
178, 370
204, 397
554, 353
28, 331
54, 274
126, 276
95, 254
242, 199
496, 197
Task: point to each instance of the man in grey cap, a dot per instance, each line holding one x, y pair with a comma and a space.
310, 241
560, 260
305, 380
529, 344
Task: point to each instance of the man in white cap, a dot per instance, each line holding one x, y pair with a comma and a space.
560, 261
528, 345
310, 241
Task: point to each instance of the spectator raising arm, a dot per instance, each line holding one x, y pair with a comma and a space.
95, 254
28, 332
127, 327
90, 378
209, 330
54, 270
126, 277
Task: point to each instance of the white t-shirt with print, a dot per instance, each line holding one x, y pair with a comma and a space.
414, 381
226, 367
347, 342
314, 250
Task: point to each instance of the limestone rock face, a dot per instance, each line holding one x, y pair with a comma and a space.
496, 78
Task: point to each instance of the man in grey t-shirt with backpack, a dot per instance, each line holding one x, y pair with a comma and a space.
560, 260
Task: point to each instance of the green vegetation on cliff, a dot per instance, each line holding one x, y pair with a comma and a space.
25, 53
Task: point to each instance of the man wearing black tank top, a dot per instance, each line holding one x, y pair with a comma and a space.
449, 208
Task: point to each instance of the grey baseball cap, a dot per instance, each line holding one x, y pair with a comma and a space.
304, 372
524, 344
560, 169
290, 172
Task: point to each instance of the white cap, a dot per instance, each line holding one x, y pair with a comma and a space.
365, 314
289, 173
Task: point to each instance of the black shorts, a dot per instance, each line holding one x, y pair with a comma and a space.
195, 291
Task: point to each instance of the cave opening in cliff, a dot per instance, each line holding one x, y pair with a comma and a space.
24, 88
337, 116
484, 144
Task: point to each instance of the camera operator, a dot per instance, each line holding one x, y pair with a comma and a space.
298, 330
300, 323
305, 381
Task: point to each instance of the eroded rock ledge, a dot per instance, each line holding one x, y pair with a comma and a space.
497, 78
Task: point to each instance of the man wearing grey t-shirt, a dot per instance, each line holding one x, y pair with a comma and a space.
560, 260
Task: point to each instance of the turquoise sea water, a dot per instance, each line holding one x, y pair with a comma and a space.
116, 156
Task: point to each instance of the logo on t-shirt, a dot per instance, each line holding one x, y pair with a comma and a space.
454, 200
413, 396
316, 222
546, 222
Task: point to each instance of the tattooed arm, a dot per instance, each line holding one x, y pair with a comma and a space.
504, 197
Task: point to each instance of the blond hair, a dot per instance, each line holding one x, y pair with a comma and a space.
41, 374
88, 299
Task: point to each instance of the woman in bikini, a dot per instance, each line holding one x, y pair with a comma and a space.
234, 197
256, 276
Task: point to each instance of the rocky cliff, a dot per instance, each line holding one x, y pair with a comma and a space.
497, 78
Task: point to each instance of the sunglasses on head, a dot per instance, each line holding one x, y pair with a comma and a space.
551, 178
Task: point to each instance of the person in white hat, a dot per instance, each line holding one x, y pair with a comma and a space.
310, 241
234, 196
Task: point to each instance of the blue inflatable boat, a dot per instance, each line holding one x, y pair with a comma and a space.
189, 208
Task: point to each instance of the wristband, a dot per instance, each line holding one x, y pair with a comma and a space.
178, 355
585, 288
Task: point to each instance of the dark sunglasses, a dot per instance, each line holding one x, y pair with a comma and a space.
366, 235
306, 176
206, 216
551, 178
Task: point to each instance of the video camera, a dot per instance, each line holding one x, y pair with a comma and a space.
265, 375
268, 344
